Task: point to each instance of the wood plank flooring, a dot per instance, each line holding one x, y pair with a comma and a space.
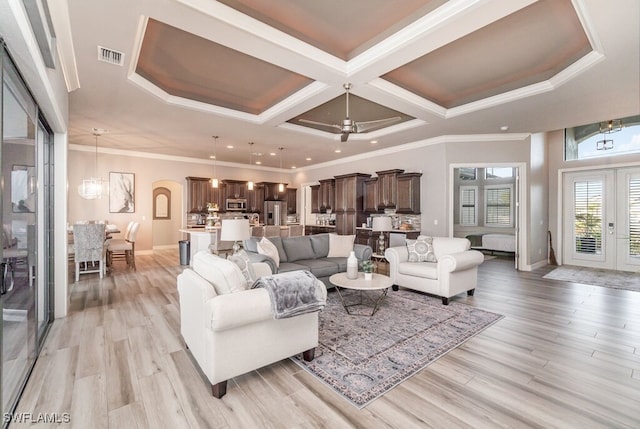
566, 355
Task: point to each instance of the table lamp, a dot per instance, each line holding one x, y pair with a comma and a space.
235, 230
381, 224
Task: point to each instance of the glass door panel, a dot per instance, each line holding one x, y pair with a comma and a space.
628, 220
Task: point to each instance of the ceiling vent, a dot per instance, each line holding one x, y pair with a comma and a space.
110, 56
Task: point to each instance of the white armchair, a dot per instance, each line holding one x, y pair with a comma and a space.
455, 271
230, 330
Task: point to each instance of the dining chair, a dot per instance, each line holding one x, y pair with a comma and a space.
88, 244
124, 248
295, 230
272, 231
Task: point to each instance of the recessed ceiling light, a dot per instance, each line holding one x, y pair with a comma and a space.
337, 151
258, 162
504, 128
229, 146
308, 159
293, 167
272, 153
374, 141
212, 156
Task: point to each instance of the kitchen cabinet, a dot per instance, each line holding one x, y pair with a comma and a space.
271, 191
292, 201
408, 193
315, 199
235, 189
349, 202
200, 192
364, 236
255, 199
371, 195
387, 188
317, 229
327, 195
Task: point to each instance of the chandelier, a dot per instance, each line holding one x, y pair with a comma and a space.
612, 126
94, 187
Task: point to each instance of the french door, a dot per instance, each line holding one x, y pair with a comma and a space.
602, 219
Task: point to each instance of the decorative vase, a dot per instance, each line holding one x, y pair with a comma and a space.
352, 266
368, 276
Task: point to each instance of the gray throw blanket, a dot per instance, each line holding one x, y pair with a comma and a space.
292, 293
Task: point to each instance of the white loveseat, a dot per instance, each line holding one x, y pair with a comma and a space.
455, 271
233, 333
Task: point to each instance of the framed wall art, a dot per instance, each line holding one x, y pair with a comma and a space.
121, 192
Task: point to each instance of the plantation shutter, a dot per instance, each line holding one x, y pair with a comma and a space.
468, 205
634, 218
498, 207
588, 216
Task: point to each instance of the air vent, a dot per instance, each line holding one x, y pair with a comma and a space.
110, 56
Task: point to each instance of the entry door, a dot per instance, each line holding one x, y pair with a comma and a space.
602, 219
628, 219
589, 219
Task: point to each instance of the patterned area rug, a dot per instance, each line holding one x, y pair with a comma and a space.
362, 357
597, 277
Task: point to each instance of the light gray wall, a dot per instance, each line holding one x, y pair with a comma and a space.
147, 172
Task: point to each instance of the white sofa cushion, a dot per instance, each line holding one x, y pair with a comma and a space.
340, 246
267, 248
427, 270
448, 245
224, 275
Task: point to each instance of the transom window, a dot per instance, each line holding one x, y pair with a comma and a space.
607, 138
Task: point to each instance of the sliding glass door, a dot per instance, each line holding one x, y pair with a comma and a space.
26, 208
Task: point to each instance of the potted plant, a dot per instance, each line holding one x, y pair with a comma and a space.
367, 269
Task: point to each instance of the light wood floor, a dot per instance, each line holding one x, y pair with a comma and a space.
566, 355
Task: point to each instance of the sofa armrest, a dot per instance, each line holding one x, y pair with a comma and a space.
238, 309
257, 257
261, 269
395, 255
362, 251
460, 261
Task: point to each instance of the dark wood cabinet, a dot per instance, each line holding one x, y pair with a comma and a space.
292, 201
255, 199
200, 192
349, 202
408, 193
271, 191
327, 195
315, 199
371, 195
387, 188
235, 189
317, 229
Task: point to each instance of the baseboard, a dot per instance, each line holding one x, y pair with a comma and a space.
534, 266
165, 247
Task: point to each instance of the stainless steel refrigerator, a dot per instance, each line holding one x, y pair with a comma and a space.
275, 212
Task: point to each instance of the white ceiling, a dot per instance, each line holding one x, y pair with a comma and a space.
479, 94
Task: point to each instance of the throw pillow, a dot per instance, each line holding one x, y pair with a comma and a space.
267, 248
340, 245
241, 259
421, 249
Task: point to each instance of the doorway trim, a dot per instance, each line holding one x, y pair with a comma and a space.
560, 200
520, 207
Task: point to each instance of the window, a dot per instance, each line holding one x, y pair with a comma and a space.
498, 173
469, 205
467, 173
499, 205
588, 141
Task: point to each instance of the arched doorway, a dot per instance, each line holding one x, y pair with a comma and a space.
167, 214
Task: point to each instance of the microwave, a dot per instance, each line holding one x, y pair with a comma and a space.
236, 204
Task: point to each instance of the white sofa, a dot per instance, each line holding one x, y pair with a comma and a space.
233, 333
455, 271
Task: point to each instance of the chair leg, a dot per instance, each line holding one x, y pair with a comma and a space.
445, 301
219, 390
470, 292
308, 355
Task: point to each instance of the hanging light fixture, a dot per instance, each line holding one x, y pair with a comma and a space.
250, 182
612, 126
214, 180
281, 184
93, 188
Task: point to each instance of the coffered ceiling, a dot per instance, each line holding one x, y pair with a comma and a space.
249, 70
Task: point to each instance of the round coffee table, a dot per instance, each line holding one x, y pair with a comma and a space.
378, 282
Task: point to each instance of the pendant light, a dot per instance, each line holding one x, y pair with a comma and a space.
93, 187
281, 184
250, 182
214, 180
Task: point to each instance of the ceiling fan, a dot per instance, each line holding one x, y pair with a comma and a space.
349, 126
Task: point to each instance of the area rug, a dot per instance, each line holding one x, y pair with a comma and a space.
597, 277
362, 357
